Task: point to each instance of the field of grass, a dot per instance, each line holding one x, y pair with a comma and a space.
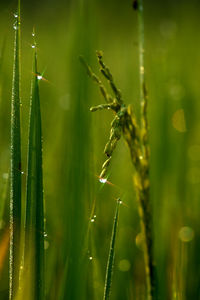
71, 233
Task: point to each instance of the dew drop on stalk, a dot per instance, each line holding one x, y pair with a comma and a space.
103, 180
94, 216
15, 15
90, 258
92, 220
33, 46
39, 77
45, 235
33, 34
22, 172
15, 27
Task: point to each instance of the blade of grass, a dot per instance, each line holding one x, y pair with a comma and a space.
15, 187
109, 270
34, 223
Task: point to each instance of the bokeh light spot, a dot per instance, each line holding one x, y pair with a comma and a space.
194, 152
178, 120
193, 175
186, 234
124, 265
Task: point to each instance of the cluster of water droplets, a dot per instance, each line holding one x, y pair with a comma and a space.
102, 180
93, 219
15, 25
39, 77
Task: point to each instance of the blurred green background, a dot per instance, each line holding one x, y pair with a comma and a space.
74, 139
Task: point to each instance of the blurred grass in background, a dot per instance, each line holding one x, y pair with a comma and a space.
74, 139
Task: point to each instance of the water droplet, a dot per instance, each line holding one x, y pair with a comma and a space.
33, 46
21, 267
186, 234
45, 235
92, 220
90, 258
124, 265
22, 172
15, 15
120, 201
39, 77
15, 27
103, 180
94, 216
33, 34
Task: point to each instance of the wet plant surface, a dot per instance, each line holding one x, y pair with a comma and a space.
69, 164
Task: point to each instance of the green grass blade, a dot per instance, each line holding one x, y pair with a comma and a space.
111, 256
15, 188
34, 223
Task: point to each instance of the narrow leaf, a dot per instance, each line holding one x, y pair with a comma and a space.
34, 223
15, 187
111, 256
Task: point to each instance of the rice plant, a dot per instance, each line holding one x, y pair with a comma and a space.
136, 138
153, 55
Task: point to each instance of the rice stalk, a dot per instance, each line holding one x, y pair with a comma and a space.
125, 123
15, 180
110, 263
142, 183
34, 220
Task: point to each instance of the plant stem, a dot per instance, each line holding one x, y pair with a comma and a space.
15, 188
143, 189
